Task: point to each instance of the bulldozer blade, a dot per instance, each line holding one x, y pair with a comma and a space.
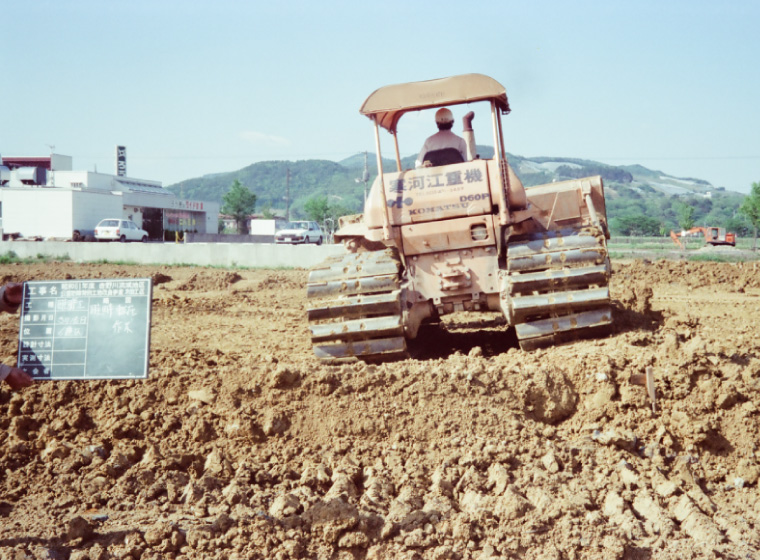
553, 326
358, 329
358, 306
565, 278
362, 349
351, 286
558, 303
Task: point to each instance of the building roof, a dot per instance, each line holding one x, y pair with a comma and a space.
14, 162
141, 186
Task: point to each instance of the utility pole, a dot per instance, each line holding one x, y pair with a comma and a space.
287, 196
365, 178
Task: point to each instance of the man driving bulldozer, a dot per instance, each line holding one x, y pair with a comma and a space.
445, 147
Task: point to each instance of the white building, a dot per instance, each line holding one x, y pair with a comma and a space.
43, 197
257, 224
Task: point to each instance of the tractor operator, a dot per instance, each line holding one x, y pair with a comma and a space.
444, 138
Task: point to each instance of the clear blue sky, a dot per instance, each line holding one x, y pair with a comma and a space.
195, 87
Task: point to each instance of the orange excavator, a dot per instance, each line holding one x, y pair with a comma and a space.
713, 236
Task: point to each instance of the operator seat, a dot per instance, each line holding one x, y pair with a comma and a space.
446, 156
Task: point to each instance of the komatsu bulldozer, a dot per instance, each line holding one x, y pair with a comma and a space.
460, 234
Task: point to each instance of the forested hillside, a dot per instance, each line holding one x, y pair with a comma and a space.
640, 201
277, 182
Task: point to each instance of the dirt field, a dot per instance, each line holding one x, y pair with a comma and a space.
241, 445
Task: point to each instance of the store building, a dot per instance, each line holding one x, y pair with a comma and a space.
43, 197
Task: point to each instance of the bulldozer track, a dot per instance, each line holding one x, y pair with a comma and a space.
355, 307
557, 286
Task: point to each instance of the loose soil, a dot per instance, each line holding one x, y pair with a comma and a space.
240, 444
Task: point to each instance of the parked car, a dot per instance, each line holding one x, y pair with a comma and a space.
116, 229
300, 232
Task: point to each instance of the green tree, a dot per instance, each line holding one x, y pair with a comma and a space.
635, 224
740, 225
267, 213
240, 203
750, 208
685, 214
317, 208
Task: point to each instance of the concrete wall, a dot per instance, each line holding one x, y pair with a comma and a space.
227, 238
201, 254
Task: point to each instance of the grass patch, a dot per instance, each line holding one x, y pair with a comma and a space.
239, 267
118, 263
721, 258
643, 246
691, 256
10, 257
190, 265
46, 258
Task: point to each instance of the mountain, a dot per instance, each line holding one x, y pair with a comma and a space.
639, 200
276, 183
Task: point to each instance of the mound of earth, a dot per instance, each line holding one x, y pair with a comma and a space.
241, 445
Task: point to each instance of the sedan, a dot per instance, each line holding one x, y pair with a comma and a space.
300, 232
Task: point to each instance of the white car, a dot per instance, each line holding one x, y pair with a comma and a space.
300, 232
116, 229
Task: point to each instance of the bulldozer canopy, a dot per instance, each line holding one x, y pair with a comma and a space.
388, 103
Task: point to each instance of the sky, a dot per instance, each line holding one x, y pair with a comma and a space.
198, 87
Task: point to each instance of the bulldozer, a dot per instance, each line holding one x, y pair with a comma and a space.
460, 235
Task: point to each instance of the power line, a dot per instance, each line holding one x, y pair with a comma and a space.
269, 157
343, 154
664, 158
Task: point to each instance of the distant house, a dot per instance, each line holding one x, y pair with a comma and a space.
229, 225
